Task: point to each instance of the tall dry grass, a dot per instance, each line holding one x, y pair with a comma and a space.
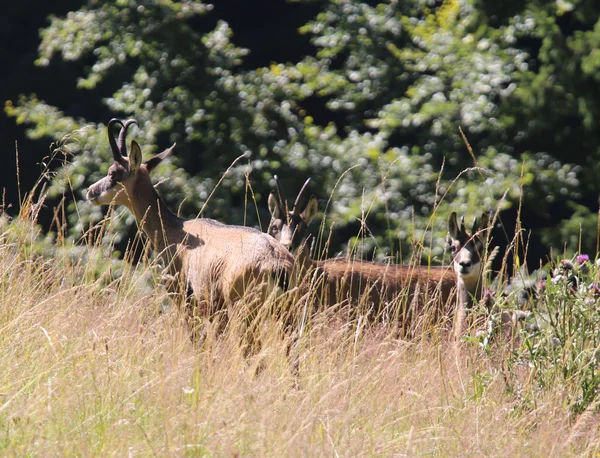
98, 364
98, 360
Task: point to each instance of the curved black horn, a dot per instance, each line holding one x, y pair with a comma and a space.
281, 195
111, 140
300, 195
475, 227
123, 134
485, 221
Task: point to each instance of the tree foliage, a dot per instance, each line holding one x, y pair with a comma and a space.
373, 116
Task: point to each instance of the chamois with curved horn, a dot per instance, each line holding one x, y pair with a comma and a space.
344, 280
290, 227
219, 262
467, 250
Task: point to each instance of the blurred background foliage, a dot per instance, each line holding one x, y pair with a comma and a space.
367, 98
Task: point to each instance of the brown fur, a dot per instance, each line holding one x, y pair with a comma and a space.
381, 291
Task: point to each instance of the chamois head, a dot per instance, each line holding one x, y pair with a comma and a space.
118, 185
289, 227
467, 248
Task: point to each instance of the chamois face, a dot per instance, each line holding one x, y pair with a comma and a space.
118, 186
289, 227
279, 227
113, 187
467, 248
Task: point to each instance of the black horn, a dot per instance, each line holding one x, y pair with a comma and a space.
300, 196
475, 227
111, 140
281, 195
123, 135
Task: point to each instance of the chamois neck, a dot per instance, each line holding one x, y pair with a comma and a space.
302, 257
159, 223
468, 291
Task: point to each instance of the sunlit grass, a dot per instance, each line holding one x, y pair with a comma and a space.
96, 364
97, 359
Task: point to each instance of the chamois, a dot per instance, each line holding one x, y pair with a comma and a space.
289, 227
218, 262
351, 281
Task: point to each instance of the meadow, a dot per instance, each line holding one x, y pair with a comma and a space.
98, 361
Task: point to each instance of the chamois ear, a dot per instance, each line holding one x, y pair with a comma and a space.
310, 210
152, 163
274, 205
135, 157
453, 226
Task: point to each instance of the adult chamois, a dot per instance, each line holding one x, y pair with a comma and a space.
219, 263
449, 290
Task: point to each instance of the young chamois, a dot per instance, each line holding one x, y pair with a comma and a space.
218, 262
351, 281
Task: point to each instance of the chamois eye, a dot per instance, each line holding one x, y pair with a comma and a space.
116, 175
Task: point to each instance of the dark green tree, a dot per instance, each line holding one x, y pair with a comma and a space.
403, 77
373, 116
180, 84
